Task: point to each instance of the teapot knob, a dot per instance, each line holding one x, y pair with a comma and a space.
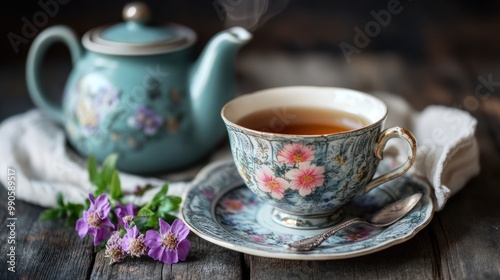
136, 11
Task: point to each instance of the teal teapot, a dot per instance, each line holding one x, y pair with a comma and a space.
135, 91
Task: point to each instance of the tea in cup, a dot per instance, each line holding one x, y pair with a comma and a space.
308, 151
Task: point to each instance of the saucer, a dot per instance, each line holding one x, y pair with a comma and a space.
221, 209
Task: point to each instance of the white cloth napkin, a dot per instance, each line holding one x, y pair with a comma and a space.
447, 153
36, 149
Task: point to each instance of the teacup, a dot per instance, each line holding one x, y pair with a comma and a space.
307, 178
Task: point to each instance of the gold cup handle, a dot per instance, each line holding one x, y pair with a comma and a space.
387, 134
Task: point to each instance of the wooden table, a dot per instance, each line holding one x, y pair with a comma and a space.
461, 242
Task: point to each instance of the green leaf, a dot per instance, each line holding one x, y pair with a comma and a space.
108, 168
140, 222
169, 204
101, 246
102, 180
60, 201
166, 206
87, 203
101, 187
131, 224
73, 213
145, 212
143, 190
75, 208
169, 218
160, 196
71, 221
116, 190
50, 214
122, 232
162, 193
175, 199
152, 221
92, 169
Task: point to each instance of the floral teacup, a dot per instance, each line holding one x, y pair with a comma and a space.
308, 178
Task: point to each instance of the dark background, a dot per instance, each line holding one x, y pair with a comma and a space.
463, 27
444, 44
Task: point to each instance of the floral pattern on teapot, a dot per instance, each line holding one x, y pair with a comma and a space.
97, 112
95, 97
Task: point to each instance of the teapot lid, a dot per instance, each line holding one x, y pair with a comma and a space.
136, 37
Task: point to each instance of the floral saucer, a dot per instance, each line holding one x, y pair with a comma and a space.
221, 209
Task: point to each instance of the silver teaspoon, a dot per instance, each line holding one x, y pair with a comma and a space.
384, 217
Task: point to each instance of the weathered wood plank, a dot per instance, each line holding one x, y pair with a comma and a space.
44, 249
410, 260
467, 231
205, 260
492, 116
131, 268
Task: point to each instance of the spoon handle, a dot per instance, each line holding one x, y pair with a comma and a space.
310, 243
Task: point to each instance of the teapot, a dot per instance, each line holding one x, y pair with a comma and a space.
135, 91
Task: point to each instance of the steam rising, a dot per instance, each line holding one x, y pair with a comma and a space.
250, 14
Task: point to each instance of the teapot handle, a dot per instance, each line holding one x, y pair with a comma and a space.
34, 75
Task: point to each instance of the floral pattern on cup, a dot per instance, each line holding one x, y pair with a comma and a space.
305, 178
307, 174
294, 153
268, 182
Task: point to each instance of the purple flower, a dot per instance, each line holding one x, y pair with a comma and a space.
133, 242
170, 244
95, 220
146, 119
125, 213
114, 249
107, 96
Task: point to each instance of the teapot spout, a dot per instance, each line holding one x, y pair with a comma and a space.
212, 81
215, 66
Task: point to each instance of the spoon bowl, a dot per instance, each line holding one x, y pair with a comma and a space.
384, 217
